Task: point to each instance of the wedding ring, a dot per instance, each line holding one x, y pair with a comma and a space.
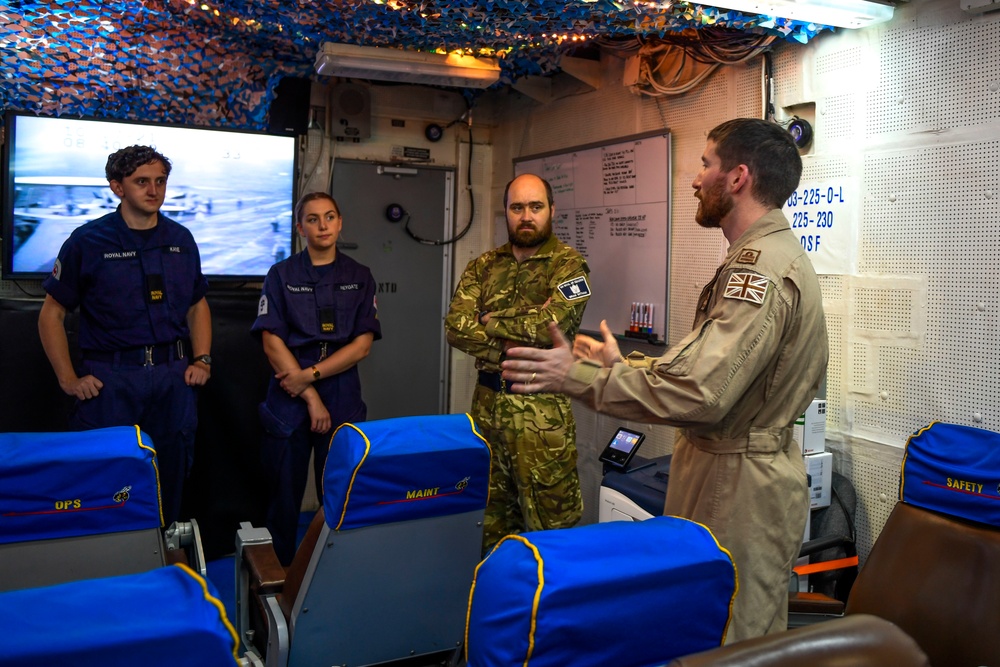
532, 380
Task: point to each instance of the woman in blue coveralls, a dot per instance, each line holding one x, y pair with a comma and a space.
317, 319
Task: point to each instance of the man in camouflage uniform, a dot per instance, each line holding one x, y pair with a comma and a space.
753, 362
506, 297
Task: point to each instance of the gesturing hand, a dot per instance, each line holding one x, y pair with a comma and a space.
532, 370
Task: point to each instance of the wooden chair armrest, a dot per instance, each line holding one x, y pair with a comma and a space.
266, 573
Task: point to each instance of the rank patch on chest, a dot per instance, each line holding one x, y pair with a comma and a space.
750, 287
748, 256
575, 288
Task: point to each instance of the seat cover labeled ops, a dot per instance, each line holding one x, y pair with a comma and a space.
620, 593
953, 469
55, 485
403, 469
165, 617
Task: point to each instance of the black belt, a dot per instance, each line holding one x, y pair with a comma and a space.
493, 381
147, 355
314, 351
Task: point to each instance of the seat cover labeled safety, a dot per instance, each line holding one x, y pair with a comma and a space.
76, 483
404, 468
953, 469
621, 593
165, 617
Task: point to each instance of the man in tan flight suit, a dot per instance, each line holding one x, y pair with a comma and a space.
734, 386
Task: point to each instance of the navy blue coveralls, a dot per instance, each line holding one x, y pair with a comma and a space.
134, 291
315, 311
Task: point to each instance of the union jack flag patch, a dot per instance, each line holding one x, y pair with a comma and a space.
750, 287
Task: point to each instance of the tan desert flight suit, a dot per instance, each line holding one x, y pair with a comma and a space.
734, 386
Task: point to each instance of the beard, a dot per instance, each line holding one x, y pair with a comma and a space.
713, 206
529, 237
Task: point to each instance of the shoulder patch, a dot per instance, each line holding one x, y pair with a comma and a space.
575, 288
748, 256
750, 287
262, 306
57, 270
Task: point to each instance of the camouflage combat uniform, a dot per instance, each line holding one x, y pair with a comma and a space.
734, 385
533, 478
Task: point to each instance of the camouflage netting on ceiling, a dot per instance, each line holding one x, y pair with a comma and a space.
217, 63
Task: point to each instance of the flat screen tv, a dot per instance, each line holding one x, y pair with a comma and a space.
234, 190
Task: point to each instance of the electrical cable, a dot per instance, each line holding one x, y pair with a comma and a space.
472, 197
669, 65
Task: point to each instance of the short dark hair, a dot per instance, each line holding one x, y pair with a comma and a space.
305, 199
124, 162
768, 151
548, 188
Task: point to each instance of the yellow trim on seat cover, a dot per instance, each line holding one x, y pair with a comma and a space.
217, 604
486, 442
156, 471
354, 474
906, 452
534, 603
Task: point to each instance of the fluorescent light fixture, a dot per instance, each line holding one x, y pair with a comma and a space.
839, 13
386, 64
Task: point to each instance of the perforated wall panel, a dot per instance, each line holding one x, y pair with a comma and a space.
834, 305
874, 472
938, 76
931, 212
911, 79
838, 116
786, 69
749, 88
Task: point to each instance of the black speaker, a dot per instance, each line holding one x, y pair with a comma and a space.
289, 111
350, 111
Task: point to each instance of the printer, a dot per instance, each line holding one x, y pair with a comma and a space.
636, 492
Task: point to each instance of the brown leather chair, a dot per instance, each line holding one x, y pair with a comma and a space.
859, 640
938, 578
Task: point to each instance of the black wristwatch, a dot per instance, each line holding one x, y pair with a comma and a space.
204, 358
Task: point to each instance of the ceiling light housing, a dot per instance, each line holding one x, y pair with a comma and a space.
387, 64
838, 13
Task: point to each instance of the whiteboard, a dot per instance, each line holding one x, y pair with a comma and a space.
612, 203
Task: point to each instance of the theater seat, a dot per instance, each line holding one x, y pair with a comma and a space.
859, 640
385, 568
84, 504
161, 618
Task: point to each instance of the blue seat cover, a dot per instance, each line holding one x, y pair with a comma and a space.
404, 468
162, 618
620, 593
76, 483
953, 469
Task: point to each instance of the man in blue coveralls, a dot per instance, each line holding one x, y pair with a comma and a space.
145, 326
